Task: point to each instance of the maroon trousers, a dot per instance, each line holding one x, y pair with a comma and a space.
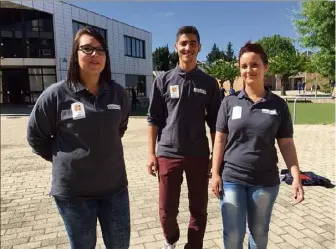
170, 180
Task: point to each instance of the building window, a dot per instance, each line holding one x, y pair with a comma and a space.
134, 47
26, 34
138, 82
78, 25
40, 78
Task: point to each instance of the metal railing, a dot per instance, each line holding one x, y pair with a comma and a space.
303, 97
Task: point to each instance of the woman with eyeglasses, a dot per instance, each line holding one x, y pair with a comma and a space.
77, 124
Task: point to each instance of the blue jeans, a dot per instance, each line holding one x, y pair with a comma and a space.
252, 203
80, 220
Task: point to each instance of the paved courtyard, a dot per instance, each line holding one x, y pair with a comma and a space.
29, 218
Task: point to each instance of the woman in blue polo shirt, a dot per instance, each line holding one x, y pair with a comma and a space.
244, 172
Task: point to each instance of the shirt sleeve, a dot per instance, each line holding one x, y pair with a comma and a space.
41, 126
126, 109
222, 117
213, 107
155, 115
285, 129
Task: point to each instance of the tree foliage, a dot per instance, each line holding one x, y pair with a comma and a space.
161, 59
223, 70
173, 59
284, 59
315, 23
229, 53
215, 54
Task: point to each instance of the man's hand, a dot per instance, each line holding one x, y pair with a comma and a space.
152, 165
210, 167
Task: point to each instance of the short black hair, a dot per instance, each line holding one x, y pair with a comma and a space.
188, 30
255, 48
73, 71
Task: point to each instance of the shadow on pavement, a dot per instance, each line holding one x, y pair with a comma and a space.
16, 110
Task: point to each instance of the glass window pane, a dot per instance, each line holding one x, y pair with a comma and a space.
129, 47
144, 49
34, 70
6, 33
125, 45
17, 48
49, 71
47, 35
133, 47
32, 34
48, 80
74, 28
137, 48
47, 24
18, 34
35, 82
141, 49
34, 96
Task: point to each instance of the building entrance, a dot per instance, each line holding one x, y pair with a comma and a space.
15, 86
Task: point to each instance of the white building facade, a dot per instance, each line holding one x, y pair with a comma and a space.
36, 41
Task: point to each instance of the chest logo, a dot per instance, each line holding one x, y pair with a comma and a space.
113, 107
78, 111
174, 92
198, 90
271, 112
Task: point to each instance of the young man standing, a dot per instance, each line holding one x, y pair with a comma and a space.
182, 100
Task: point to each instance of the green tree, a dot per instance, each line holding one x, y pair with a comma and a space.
223, 71
173, 59
315, 23
284, 60
215, 54
229, 53
161, 59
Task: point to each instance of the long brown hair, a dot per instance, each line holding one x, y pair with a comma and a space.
73, 71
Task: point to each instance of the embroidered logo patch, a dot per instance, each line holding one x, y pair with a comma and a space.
113, 107
198, 90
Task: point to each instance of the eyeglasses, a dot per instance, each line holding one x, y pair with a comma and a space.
88, 50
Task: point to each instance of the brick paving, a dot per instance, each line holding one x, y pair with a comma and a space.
29, 218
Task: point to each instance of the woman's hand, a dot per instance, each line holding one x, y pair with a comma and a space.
298, 192
216, 183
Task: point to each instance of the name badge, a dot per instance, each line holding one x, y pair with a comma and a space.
237, 112
197, 90
273, 112
78, 111
174, 92
113, 106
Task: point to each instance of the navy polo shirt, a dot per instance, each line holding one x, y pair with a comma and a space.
250, 155
181, 103
81, 135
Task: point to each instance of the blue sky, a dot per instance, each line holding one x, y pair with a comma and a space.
217, 22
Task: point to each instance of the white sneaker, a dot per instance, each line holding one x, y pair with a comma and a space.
169, 246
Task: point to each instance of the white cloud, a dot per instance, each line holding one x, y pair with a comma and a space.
164, 14
167, 14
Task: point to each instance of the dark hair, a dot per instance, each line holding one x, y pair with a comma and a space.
188, 30
73, 71
255, 48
